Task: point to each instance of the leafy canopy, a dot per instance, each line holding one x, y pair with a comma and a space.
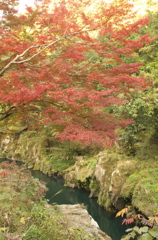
62, 64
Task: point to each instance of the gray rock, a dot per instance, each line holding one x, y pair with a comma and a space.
77, 216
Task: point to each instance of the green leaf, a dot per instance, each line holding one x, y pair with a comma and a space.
154, 231
143, 230
132, 234
4, 58
129, 229
126, 237
2, 229
145, 236
155, 228
136, 228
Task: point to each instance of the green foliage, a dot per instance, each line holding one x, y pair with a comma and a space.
63, 155
85, 175
61, 158
145, 228
143, 131
142, 233
140, 188
143, 107
25, 214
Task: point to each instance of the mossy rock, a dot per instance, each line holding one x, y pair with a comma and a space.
94, 185
105, 200
141, 188
84, 173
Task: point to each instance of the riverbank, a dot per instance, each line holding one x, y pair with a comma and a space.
114, 178
25, 213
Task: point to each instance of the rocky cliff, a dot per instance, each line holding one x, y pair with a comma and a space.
115, 179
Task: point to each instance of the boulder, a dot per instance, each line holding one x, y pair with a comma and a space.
78, 217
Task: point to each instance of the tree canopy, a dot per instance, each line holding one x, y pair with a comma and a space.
63, 65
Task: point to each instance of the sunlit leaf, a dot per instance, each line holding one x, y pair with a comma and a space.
122, 212
136, 228
22, 220
3, 229
129, 229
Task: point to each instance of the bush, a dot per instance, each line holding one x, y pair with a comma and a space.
24, 212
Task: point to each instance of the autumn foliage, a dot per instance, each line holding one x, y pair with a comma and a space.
62, 65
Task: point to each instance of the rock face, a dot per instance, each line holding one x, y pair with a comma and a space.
116, 171
27, 148
110, 176
104, 176
77, 216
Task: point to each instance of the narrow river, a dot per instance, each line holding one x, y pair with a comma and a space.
107, 222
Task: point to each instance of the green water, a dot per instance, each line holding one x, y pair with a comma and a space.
107, 222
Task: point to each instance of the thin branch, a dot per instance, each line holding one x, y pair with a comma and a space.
46, 45
7, 113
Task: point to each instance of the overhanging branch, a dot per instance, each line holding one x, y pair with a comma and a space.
44, 47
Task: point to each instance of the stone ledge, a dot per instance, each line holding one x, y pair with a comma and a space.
77, 216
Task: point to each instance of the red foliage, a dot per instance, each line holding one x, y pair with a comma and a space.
147, 222
3, 174
47, 78
128, 221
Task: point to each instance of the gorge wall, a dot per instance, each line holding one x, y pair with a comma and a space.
115, 179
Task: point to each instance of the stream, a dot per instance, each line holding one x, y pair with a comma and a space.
59, 194
107, 222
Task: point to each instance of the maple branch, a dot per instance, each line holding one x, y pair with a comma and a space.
5, 68
7, 113
57, 105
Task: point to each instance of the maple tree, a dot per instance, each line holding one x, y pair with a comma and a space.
62, 64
